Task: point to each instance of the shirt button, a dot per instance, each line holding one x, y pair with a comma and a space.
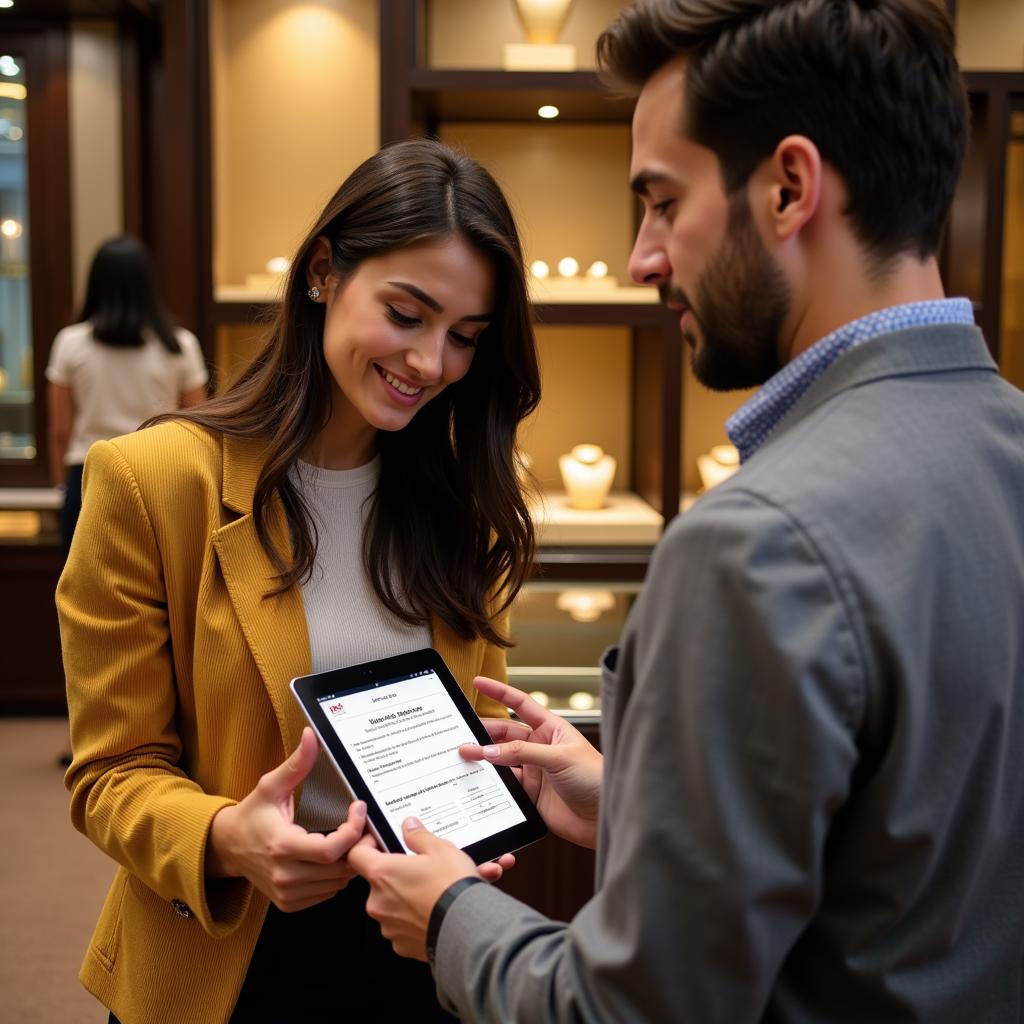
181, 908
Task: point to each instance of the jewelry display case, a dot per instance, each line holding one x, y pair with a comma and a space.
561, 631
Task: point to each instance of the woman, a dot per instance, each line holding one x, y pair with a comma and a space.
120, 364
353, 495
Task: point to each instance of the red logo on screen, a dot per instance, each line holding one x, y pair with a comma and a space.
337, 709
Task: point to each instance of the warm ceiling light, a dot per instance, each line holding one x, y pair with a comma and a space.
6, 3
568, 267
13, 90
539, 269
543, 19
548, 111
10, 228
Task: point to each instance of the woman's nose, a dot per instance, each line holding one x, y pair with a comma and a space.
426, 356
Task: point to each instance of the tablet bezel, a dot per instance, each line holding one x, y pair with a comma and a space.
311, 689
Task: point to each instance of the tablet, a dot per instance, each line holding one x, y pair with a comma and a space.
393, 728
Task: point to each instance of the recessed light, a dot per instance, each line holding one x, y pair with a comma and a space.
547, 111
568, 267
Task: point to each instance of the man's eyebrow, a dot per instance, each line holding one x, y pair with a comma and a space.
642, 182
428, 300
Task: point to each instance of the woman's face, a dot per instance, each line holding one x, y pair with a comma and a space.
398, 331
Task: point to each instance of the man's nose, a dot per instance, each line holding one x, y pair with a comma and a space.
648, 262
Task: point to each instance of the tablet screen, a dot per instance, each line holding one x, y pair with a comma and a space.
395, 740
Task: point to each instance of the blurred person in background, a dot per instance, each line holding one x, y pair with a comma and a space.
122, 362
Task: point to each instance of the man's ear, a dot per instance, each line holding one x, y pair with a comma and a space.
788, 186
318, 264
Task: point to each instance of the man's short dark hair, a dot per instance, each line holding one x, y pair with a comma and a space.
873, 83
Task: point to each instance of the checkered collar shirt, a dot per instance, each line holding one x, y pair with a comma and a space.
749, 427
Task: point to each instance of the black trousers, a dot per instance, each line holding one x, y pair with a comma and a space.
72, 505
329, 964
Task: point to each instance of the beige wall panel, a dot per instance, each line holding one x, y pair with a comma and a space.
990, 34
585, 375
94, 97
568, 186
296, 108
1011, 356
704, 416
235, 346
473, 34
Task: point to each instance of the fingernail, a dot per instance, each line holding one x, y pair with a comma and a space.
412, 823
492, 751
359, 809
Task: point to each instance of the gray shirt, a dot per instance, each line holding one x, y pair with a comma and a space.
813, 803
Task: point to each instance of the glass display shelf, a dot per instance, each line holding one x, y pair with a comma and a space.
561, 631
29, 515
626, 519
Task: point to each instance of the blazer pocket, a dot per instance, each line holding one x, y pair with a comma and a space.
107, 937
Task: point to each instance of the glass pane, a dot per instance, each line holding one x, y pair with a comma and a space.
17, 438
1011, 344
561, 630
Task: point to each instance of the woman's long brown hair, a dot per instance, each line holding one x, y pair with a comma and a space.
448, 532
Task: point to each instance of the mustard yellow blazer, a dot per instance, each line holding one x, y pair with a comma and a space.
177, 671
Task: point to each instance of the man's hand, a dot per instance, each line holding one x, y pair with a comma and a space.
258, 839
404, 889
559, 769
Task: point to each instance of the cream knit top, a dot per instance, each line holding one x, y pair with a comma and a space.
346, 621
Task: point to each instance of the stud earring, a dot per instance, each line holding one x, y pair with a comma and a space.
314, 293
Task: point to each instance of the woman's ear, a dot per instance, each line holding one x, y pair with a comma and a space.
318, 264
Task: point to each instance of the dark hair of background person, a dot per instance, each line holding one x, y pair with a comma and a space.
120, 299
873, 83
448, 531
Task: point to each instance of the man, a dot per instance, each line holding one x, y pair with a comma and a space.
812, 806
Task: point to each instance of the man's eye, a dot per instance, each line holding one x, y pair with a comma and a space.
400, 318
663, 207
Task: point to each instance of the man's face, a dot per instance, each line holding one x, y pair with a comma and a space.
702, 248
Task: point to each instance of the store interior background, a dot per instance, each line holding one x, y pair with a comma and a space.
215, 130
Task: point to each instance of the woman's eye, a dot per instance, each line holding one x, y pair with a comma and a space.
462, 340
663, 207
400, 318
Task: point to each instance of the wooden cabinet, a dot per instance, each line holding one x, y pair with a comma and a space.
31, 671
475, 109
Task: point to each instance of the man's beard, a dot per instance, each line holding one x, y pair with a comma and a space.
742, 302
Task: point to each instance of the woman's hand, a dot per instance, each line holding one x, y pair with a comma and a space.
258, 839
559, 769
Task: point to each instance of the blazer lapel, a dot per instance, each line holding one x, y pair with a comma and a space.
274, 627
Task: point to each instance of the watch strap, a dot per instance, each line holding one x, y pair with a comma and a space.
444, 901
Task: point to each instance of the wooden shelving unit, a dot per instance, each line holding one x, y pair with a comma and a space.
417, 99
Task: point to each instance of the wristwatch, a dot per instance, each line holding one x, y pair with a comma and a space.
444, 901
